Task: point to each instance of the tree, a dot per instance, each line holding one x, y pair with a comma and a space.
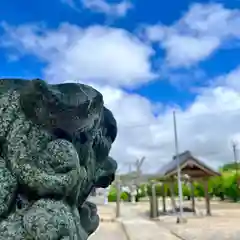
230, 166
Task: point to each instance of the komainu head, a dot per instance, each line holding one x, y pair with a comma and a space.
55, 143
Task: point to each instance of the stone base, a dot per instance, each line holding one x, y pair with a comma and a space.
181, 220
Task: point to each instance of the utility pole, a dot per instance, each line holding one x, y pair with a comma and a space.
139, 163
180, 192
130, 168
118, 183
234, 145
130, 183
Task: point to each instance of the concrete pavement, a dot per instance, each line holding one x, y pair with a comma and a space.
134, 224
131, 226
207, 228
142, 229
138, 226
109, 231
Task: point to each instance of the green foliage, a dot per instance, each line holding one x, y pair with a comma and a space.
230, 166
112, 196
142, 193
223, 187
231, 189
124, 196
158, 189
186, 191
216, 187
198, 189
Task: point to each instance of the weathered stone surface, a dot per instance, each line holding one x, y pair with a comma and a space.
55, 141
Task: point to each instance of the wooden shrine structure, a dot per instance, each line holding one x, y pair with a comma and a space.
192, 169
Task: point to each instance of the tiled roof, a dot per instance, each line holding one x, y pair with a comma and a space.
183, 157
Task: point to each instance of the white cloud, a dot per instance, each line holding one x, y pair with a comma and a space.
96, 54
186, 50
115, 9
108, 58
206, 127
213, 20
119, 9
194, 37
231, 79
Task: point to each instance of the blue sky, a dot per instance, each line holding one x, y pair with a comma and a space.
147, 56
52, 13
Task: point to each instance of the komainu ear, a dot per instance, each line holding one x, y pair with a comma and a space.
110, 124
34, 96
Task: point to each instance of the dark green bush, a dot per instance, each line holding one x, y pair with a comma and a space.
231, 189
112, 195
158, 190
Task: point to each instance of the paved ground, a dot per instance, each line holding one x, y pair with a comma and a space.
134, 224
222, 225
138, 227
210, 228
109, 231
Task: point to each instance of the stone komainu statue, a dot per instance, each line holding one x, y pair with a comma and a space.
54, 142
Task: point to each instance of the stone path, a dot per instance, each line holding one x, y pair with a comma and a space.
223, 225
131, 226
109, 231
134, 224
139, 230
207, 228
138, 227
